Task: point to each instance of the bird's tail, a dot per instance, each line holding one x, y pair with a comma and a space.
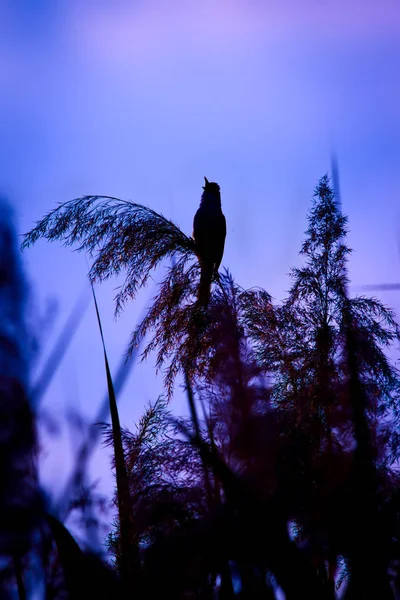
205, 285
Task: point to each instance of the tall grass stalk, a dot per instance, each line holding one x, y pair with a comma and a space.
129, 564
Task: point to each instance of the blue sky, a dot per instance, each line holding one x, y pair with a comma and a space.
143, 99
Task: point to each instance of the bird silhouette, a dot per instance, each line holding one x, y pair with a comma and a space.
209, 232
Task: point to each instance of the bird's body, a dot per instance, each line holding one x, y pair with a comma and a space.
209, 232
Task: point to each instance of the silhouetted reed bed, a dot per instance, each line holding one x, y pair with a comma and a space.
283, 478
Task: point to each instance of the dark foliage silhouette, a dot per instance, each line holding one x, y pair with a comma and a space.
284, 473
36, 550
20, 499
122, 235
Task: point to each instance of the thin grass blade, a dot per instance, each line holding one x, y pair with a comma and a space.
129, 561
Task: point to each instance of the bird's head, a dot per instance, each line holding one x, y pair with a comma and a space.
212, 191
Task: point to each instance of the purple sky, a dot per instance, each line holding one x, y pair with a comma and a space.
142, 100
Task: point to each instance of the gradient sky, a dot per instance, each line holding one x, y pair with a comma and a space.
141, 99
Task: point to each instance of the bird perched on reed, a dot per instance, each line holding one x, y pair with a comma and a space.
209, 232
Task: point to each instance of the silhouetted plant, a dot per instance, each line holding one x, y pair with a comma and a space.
164, 476
299, 422
303, 344
21, 506
128, 558
124, 236
36, 549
